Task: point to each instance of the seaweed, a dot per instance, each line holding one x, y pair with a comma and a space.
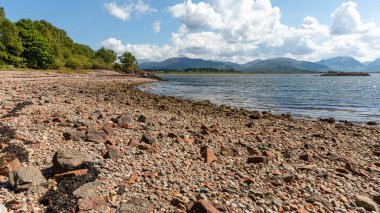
17, 151
62, 199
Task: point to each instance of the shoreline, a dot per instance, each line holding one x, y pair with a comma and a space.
172, 153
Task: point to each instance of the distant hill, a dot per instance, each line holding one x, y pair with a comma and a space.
344, 64
275, 66
284, 65
374, 66
184, 63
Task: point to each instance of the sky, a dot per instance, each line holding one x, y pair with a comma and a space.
225, 30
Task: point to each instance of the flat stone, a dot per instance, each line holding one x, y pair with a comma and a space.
112, 153
136, 205
74, 173
133, 143
92, 135
366, 203
87, 190
68, 159
89, 204
24, 178
203, 206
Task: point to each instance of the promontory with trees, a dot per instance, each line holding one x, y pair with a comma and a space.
41, 45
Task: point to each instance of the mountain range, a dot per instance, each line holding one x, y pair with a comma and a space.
276, 65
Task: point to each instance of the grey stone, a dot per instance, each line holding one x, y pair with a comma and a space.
123, 120
136, 205
366, 203
87, 190
26, 177
68, 159
147, 138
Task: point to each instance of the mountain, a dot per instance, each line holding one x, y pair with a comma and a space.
284, 65
344, 64
184, 63
250, 64
374, 66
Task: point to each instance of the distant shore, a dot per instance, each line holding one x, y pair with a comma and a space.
345, 74
156, 153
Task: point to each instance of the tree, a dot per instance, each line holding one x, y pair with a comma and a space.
107, 56
10, 42
128, 60
38, 53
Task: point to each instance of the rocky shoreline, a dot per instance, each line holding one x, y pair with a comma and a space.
94, 143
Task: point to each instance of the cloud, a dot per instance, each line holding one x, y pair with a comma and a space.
124, 12
245, 30
141, 51
141, 7
347, 19
156, 27
121, 12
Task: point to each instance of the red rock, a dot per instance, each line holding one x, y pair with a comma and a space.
276, 172
111, 141
258, 159
269, 154
108, 128
10, 166
3, 146
209, 155
132, 179
133, 143
90, 204
307, 157
189, 140
74, 173
249, 181
374, 169
201, 206
308, 167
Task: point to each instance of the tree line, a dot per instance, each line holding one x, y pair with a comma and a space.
41, 45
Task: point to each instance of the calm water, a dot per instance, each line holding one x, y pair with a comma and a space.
307, 96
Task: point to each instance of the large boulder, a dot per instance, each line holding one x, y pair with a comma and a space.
24, 178
68, 159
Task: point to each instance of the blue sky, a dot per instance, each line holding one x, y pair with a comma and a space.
268, 28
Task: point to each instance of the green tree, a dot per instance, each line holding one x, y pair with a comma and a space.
107, 56
128, 60
38, 53
10, 42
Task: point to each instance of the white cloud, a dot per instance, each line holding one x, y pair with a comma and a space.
121, 12
124, 12
244, 30
156, 27
141, 51
141, 7
347, 19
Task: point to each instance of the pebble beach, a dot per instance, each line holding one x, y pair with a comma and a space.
93, 142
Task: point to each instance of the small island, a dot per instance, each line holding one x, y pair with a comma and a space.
345, 74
